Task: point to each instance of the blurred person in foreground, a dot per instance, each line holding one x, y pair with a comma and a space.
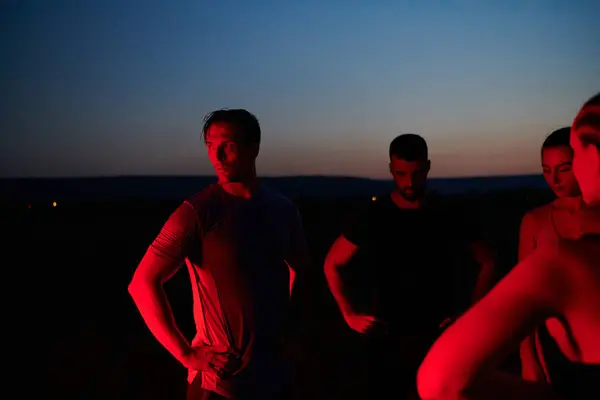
550, 222
558, 281
414, 246
242, 244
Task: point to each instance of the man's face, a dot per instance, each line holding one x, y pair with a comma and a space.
410, 177
232, 160
557, 167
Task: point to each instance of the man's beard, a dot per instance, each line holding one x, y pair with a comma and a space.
413, 196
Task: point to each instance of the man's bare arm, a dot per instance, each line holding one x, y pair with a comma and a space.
339, 256
162, 260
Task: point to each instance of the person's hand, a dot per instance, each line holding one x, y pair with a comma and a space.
364, 324
223, 360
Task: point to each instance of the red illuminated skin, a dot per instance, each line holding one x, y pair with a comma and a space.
235, 167
560, 280
410, 178
557, 167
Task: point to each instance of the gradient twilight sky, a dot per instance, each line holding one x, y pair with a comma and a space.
120, 87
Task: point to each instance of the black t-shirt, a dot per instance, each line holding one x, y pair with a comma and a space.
416, 259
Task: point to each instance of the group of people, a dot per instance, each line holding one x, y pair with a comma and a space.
427, 337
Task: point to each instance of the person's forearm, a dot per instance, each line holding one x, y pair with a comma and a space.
154, 307
336, 286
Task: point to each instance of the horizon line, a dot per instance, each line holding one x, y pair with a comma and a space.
129, 176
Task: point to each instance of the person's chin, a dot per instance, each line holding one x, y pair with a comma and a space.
227, 178
411, 196
560, 193
223, 176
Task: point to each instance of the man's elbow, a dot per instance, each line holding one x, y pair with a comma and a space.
139, 286
134, 288
331, 269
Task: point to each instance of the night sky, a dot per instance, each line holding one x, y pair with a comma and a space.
102, 88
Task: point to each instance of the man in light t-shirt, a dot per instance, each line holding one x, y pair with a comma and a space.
243, 244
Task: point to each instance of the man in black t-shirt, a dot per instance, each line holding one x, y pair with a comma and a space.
418, 251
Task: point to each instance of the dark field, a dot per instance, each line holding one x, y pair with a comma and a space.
75, 261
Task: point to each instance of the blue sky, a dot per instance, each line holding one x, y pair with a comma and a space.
97, 88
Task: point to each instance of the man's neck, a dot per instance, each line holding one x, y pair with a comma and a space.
245, 188
402, 203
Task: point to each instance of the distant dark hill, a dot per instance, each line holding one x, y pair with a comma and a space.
178, 187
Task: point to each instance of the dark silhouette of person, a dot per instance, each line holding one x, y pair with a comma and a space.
242, 244
412, 245
554, 291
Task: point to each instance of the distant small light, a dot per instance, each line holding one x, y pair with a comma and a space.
54, 204
29, 206
373, 198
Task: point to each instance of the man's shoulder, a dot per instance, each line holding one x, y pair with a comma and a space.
206, 197
275, 198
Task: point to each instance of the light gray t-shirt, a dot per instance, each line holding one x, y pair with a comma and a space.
235, 250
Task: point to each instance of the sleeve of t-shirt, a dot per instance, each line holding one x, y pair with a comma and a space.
358, 229
176, 238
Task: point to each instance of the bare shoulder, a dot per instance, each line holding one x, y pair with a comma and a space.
539, 214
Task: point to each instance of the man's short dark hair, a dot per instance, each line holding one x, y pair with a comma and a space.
409, 147
245, 122
558, 138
